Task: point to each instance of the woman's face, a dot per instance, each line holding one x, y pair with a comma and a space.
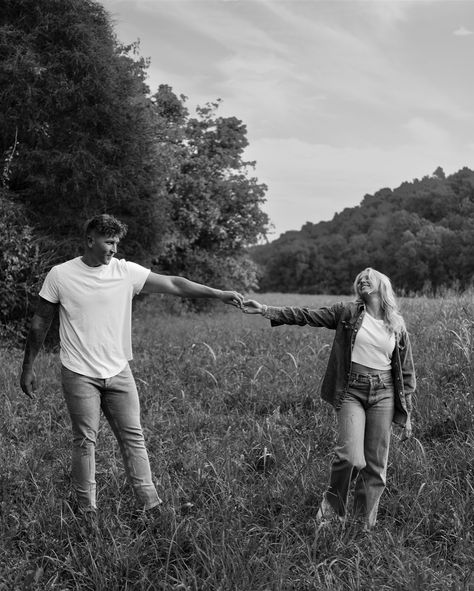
366, 284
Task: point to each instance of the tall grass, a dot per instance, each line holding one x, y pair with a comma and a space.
240, 445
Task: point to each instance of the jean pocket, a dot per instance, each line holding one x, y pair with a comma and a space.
386, 385
357, 383
68, 376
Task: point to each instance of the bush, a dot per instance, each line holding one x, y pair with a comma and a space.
21, 267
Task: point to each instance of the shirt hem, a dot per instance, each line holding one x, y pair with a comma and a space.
95, 376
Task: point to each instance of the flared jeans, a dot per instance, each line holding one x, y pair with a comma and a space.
363, 437
117, 397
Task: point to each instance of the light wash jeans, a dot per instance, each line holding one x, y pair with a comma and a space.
363, 438
118, 398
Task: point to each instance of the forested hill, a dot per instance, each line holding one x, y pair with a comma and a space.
420, 234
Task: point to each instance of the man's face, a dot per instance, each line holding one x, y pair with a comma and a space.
102, 248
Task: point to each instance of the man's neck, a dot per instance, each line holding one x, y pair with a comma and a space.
90, 262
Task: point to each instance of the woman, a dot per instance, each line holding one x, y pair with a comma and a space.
369, 380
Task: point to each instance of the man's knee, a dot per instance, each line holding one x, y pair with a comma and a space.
349, 460
84, 440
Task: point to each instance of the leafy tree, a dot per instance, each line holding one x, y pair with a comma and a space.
213, 204
439, 172
75, 100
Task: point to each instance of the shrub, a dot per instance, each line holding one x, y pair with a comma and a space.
21, 267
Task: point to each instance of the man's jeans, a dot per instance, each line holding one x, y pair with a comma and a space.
118, 398
364, 426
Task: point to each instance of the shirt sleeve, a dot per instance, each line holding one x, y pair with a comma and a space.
322, 317
408, 368
137, 275
50, 288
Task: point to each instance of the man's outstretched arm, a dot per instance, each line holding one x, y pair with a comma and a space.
179, 286
40, 324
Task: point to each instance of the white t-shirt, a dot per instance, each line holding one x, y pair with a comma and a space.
374, 344
95, 313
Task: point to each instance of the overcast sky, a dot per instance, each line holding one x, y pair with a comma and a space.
340, 97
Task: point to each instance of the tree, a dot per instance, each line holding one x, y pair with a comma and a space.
76, 102
213, 203
439, 173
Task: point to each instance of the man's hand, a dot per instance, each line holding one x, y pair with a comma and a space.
28, 382
233, 298
253, 307
40, 324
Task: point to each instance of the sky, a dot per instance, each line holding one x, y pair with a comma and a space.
340, 98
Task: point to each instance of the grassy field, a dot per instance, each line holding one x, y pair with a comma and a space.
240, 445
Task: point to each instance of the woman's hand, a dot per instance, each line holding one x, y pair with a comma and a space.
253, 307
408, 430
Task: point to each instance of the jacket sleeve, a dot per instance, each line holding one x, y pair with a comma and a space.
327, 317
408, 371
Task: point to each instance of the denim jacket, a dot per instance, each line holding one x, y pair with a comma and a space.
345, 318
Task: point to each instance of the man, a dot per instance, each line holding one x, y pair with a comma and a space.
94, 295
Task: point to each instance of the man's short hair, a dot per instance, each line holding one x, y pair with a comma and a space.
105, 225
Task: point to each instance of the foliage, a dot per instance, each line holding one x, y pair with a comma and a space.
74, 100
21, 267
213, 205
217, 394
419, 234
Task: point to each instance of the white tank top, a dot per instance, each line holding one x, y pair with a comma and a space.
374, 344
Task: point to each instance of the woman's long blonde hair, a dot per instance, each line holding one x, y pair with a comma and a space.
393, 320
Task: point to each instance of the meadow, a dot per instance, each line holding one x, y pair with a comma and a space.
240, 445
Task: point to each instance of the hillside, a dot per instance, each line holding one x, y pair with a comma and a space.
420, 234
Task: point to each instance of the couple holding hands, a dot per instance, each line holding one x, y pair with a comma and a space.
369, 378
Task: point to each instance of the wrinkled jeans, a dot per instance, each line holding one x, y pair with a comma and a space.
363, 437
118, 398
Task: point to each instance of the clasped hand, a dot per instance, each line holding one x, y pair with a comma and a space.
251, 307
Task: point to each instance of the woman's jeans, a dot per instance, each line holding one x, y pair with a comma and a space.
363, 437
118, 398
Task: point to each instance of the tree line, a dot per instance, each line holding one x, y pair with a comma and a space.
420, 234
81, 133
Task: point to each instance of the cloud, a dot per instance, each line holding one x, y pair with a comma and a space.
463, 32
426, 133
308, 182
